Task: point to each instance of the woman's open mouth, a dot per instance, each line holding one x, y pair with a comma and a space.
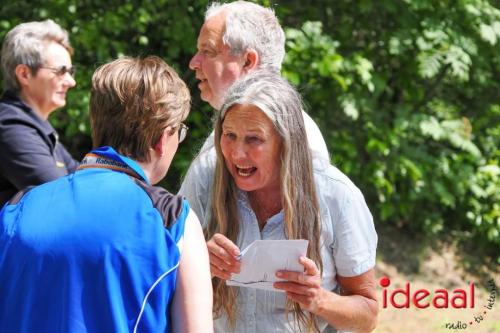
245, 171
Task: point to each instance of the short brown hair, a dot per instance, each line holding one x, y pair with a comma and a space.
132, 101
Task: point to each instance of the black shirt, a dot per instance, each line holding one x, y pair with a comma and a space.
30, 152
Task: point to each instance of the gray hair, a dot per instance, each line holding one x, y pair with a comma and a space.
281, 103
251, 26
275, 97
25, 44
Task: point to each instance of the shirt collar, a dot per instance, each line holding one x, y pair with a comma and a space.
242, 198
12, 98
109, 152
244, 202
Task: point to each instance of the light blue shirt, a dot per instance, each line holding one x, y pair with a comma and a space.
348, 241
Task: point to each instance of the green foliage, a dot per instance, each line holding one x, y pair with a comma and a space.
104, 30
406, 93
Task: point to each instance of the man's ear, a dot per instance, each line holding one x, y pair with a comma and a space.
23, 73
251, 60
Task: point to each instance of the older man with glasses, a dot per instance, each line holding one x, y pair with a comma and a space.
37, 73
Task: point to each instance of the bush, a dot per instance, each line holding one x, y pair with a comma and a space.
406, 98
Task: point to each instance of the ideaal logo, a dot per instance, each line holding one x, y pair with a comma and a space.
442, 298
458, 298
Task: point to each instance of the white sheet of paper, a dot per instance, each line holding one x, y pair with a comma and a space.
263, 258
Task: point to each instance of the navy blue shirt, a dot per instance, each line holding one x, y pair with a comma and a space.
30, 153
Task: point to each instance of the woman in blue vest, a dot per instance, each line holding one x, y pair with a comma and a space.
103, 250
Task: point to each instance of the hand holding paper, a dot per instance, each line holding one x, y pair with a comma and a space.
263, 258
223, 257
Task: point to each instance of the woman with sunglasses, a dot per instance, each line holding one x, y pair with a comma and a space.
37, 73
112, 253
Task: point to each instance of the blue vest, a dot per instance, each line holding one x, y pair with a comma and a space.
94, 251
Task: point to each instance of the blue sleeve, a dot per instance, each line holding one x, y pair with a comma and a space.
354, 244
356, 238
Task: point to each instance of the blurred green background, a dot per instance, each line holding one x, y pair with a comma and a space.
406, 93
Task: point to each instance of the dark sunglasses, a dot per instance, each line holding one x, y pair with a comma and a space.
61, 70
182, 132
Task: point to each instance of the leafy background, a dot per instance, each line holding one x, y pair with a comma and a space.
406, 93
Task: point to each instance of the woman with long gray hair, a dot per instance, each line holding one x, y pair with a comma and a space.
267, 186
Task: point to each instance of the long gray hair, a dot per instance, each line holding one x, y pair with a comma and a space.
26, 44
251, 26
280, 102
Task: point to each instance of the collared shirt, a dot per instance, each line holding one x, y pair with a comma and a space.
30, 153
94, 251
348, 246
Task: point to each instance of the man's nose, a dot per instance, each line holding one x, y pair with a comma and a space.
194, 64
69, 80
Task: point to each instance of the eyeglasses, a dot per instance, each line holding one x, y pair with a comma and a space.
61, 70
182, 132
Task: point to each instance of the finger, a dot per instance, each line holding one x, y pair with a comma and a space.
295, 288
223, 265
310, 267
300, 278
215, 249
218, 262
303, 300
215, 271
226, 244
